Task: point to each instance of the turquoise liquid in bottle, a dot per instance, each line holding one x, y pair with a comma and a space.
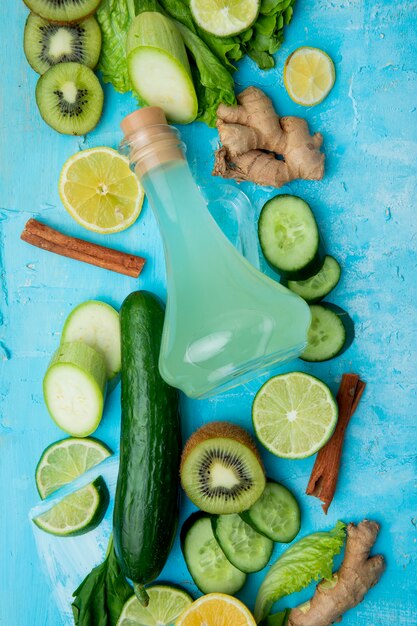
225, 321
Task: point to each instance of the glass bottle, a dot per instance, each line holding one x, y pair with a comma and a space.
225, 321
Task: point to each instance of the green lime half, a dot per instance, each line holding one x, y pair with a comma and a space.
77, 513
294, 415
225, 18
166, 604
65, 460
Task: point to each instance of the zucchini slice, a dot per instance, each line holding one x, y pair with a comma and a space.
331, 332
320, 285
290, 238
206, 562
245, 548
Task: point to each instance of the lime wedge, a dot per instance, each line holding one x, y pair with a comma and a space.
224, 18
166, 604
65, 460
77, 513
294, 415
100, 191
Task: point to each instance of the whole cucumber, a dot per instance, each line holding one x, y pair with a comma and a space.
146, 501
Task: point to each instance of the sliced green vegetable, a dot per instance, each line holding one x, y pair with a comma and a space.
331, 332
74, 387
318, 286
289, 237
158, 66
206, 562
309, 559
276, 514
100, 598
97, 324
243, 546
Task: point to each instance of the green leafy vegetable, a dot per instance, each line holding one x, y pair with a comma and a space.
114, 17
100, 597
212, 58
309, 559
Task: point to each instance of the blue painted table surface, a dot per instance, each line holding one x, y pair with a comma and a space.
366, 209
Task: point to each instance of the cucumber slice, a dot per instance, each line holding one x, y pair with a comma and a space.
98, 325
276, 514
65, 460
318, 286
74, 387
289, 237
158, 67
245, 548
206, 562
78, 512
331, 332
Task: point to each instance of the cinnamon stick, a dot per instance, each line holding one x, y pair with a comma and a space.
325, 473
47, 238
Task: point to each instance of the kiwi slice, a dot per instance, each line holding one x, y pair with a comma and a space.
47, 44
64, 11
70, 98
221, 470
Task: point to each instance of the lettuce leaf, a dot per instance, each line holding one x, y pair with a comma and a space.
101, 596
309, 559
212, 58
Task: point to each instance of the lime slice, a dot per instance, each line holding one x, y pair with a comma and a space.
99, 190
77, 513
65, 460
294, 415
224, 17
309, 75
166, 604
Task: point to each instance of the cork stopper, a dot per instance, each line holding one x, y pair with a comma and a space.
150, 139
142, 118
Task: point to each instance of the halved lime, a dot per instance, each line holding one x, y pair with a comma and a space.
77, 513
294, 415
166, 604
65, 460
225, 18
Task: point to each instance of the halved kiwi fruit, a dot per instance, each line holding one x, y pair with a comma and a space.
70, 98
64, 11
221, 470
47, 44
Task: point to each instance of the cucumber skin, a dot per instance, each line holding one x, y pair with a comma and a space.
312, 267
349, 327
146, 502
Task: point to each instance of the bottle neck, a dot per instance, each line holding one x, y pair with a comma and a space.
150, 147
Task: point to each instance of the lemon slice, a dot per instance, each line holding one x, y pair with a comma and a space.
224, 18
309, 75
216, 609
99, 190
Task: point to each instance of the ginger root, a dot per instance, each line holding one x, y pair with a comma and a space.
252, 127
357, 574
